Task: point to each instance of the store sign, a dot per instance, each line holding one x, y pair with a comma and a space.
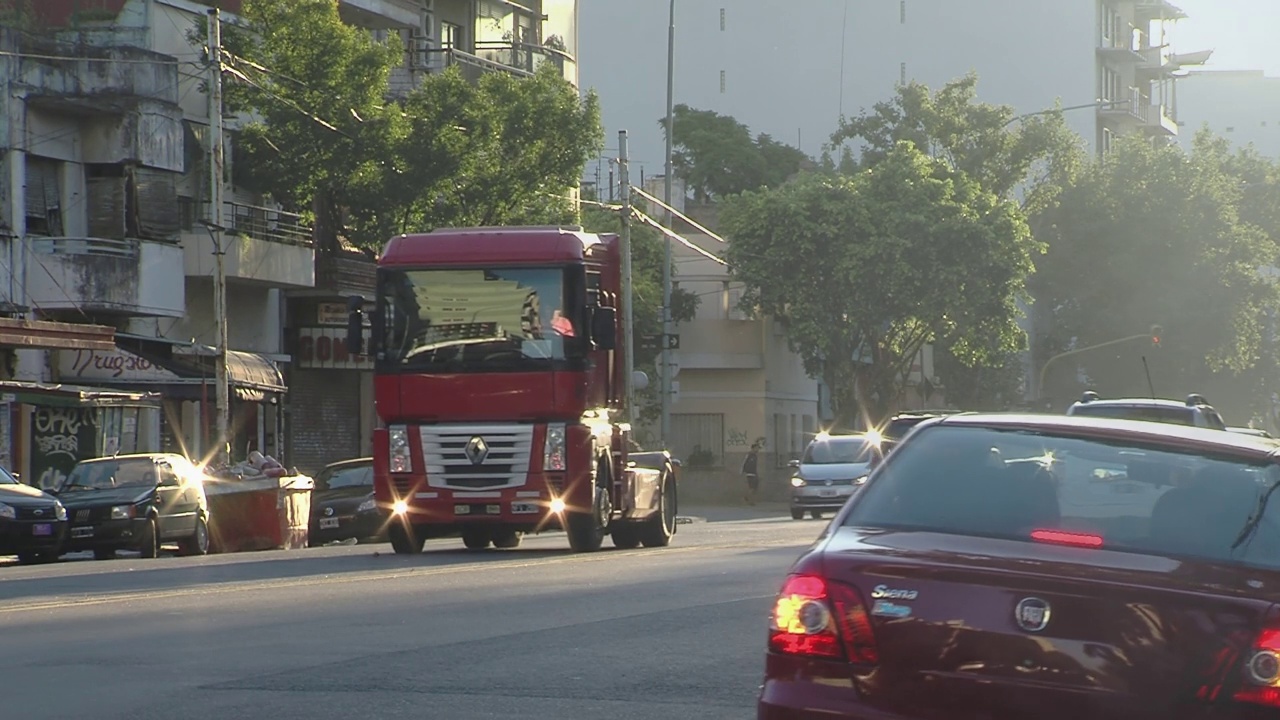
326, 349
335, 314
111, 366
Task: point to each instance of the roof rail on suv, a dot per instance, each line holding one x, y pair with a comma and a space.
1195, 410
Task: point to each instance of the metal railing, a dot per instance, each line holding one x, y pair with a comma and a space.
105, 247
259, 223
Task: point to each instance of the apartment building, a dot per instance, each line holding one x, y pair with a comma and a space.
107, 191
1240, 105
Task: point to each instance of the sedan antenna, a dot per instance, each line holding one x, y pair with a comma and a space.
1147, 369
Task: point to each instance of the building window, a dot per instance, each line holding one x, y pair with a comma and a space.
902, 12
721, 19
902, 74
698, 439
43, 197
722, 82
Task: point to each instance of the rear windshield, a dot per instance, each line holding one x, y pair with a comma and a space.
838, 451
1170, 415
344, 477
1123, 496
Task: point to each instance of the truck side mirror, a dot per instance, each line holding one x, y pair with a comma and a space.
355, 325
604, 324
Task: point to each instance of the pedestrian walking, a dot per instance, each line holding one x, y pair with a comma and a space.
751, 469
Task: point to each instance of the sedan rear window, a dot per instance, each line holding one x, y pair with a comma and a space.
350, 476
1100, 493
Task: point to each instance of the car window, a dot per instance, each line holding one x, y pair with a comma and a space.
351, 476
108, 474
6, 478
1170, 415
1124, 496
838, 451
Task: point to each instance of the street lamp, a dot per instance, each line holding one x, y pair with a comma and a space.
666, 240
220, 358
1153, 335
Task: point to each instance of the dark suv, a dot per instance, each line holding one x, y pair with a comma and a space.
32, 523
1194, 411
136, 502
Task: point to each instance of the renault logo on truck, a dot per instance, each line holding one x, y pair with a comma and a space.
477, 450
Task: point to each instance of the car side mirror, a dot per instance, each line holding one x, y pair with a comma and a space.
793, 463
355, 325
604, 323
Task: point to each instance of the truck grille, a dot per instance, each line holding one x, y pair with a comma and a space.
503, 453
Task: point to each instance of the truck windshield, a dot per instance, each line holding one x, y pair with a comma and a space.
479, 320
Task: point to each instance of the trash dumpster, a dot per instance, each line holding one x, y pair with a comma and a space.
263, 513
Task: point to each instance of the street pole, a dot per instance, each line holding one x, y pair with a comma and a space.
666, 241
216, 228
628, 324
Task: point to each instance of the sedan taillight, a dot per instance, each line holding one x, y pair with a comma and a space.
1262, 671
817, 617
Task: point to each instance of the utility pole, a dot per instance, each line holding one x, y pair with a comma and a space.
215, 230
666, 245
628, 324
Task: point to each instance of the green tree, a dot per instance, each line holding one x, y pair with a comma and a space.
1156, 236
717, 156
326, 138
646, 274
865, 270
1031, 158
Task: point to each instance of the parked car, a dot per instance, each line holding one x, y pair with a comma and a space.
829, 471
1049, 567
1195, 410
342, 504
33, 523
136, 502
903, 423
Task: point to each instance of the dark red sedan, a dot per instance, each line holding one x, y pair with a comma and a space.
1005, 567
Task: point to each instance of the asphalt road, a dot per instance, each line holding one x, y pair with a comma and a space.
357, 632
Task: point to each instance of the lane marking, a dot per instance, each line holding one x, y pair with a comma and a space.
237, 586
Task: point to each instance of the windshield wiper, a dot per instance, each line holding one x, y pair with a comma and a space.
1255, 519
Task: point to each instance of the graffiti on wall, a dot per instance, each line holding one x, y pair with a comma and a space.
61, 437
736, 438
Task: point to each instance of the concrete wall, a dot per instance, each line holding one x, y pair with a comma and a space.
1242, 106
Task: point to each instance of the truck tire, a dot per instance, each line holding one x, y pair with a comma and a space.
476, 538
404, 539
658, 530
586, 530
507, 539
625, 536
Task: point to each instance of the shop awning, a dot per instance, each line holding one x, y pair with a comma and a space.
251, 376
46, 335
48, 394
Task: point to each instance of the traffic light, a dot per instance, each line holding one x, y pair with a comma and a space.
1156, 331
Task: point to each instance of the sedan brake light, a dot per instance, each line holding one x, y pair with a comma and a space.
1262, 671
1061, 537
816, 617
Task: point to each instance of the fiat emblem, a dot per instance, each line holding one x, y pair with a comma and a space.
1032, 614
328, 511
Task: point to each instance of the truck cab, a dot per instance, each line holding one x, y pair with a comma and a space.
498, 382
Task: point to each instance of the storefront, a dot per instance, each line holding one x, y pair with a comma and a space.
184, 375
46, 429
331, 414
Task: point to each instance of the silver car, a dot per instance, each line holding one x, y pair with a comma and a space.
832, 467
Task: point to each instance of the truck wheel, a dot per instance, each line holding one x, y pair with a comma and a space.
586, 531
657, 530
625, 536
148, 543
507, 539
404, 539
476, 538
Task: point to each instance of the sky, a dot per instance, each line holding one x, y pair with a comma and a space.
1242, 33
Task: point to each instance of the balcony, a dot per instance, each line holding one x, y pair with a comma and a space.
262, 246
100, 79
381, 14
1130, 107
521, 59
101, 276
1160, 120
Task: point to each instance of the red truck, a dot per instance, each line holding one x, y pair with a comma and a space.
500, 393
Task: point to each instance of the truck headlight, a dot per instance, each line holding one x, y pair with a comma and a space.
399, 459
7, 512
122, 512
798, 482
553, 454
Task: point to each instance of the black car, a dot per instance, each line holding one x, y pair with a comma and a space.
342, 504
903, 423
32, 523
136, 502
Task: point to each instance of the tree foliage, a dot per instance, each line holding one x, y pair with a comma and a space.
1158, 236
328, 139
864, 270
1031, 158
717, 156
